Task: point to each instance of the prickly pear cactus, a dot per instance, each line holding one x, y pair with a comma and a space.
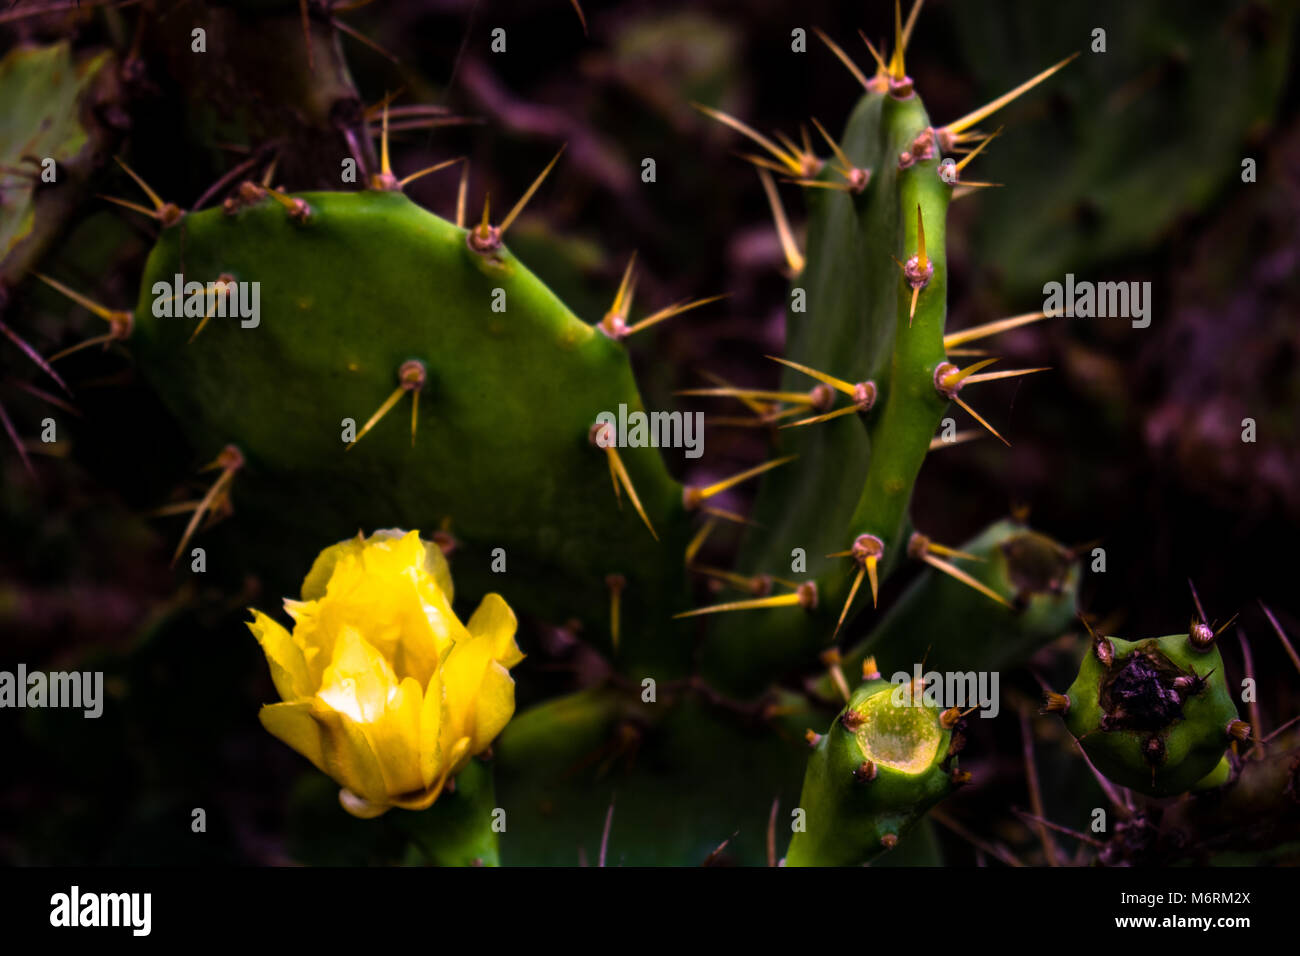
370, 399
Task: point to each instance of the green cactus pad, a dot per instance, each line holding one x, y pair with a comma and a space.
367, 282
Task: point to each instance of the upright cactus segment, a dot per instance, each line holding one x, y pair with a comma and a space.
867, 319
1154, 715
887, 759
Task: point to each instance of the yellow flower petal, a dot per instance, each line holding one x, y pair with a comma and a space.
432, 716
348, 757
478, 692
294, 724
288, 667
430, 558
395, 739
497, 621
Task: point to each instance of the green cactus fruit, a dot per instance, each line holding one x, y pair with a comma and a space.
886, 760
1153, 715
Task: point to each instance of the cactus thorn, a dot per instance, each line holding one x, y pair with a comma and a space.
951, 134
812, 737
614, 323
955, 572
870, 670
1238, 730
165, 212
602, 435
461, 192
693, 497
35, 356
831, 658
1055, 703
805, 597
697, 542
407, 180
790, 159
668, 313
847, 61
298, 210
794, 259
760, 585
1281, 635
229, 461
486, 238
948, 380
959, 778
411, 377
856, 178
919, 545
866, 552
889, 840
616, 583
582, 18
1008, 373
958, 438
17, 441
990, 328
852, 720
919, 269
865, 772
111, 316
964, 162
222, 287
729, 516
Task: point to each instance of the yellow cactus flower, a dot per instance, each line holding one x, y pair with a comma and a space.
381, 686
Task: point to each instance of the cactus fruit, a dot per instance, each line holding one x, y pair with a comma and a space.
888, 757
1154, 715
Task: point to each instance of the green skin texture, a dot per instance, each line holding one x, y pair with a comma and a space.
855, 474
1194, 744
847, 818
951, 626
367, 282
47, 115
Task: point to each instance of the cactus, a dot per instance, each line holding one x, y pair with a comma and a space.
344, 359
1154, 715
888, 758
